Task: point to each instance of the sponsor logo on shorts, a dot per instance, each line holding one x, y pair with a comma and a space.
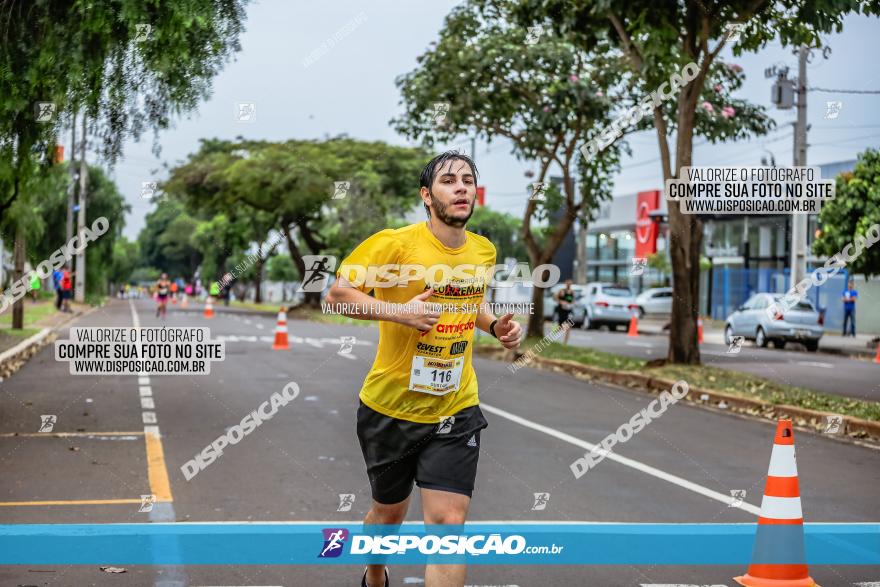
446, 425
334, 541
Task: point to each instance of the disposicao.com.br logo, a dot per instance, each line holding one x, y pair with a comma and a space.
429, 544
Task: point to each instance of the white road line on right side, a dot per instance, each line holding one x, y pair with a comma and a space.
632, 463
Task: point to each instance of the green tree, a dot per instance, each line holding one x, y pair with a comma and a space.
281, 268
854, 209
127, 65
294, 183
657, 40
126, 256
500, 228
166, 240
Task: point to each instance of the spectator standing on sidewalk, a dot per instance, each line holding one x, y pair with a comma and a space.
849, 307
56, 283
66, 288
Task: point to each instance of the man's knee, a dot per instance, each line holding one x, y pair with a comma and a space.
451, 515
389, 513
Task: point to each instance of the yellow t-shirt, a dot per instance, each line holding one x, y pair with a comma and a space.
423, 377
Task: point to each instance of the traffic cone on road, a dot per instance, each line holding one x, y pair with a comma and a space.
209, 308
877, 358
281, 332
699, 330
633, 326
184, 303
778, 558
173, 300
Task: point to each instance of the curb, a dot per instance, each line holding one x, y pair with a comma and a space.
851, 428
11, 360
864, 353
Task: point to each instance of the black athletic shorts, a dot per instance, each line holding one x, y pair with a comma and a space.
562, 315
435, 456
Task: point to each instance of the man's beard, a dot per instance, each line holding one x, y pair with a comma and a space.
444, 217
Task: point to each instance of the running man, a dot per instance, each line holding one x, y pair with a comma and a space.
419, 418
564, 302
163, 289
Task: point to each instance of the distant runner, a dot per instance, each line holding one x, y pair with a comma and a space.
163, 290
419, 418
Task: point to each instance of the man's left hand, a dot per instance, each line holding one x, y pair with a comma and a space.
508, 331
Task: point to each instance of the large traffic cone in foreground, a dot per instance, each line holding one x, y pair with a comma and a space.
209, 308
281, 332
779, 543
633, 325
699, 330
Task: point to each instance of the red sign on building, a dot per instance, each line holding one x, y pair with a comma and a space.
481, 195
646, 228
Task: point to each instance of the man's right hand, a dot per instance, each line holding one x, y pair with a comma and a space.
420, 314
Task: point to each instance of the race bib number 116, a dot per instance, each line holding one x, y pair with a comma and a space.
435, 376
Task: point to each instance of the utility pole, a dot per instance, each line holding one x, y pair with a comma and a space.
80, 291
71, 187
799, 221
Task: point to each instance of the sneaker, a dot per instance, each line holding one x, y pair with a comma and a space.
364, 578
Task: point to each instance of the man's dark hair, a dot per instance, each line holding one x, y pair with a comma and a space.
430, 170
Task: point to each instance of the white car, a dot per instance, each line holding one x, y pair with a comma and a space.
657, 300
608, 304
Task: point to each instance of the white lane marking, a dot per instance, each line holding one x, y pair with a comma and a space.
248, 338
680, 585
149, 417
147, 403
145, 390
259, 326
632, 463
142, 380
815, 364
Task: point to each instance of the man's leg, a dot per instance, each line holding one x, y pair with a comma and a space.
444, 507
852, 322
386, 514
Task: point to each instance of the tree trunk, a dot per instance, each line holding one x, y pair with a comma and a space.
18, 273
536, 319
312, 298
258, 280
685, 238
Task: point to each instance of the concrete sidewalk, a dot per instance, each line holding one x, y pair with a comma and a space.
862, 345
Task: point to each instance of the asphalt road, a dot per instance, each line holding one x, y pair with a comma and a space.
294, 466
838, 375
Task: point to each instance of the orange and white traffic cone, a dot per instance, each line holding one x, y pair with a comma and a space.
699, 330
633, 325
779, 544
209, 308
877, 358
184, 303
281, 332
173, 300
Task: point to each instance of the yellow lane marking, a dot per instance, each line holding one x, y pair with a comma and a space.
156, 469
72, 502
66, 434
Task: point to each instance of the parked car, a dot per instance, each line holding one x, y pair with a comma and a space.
657, 300
577, 308
608, 304
803, 323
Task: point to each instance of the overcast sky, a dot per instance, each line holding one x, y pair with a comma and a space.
350, 89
